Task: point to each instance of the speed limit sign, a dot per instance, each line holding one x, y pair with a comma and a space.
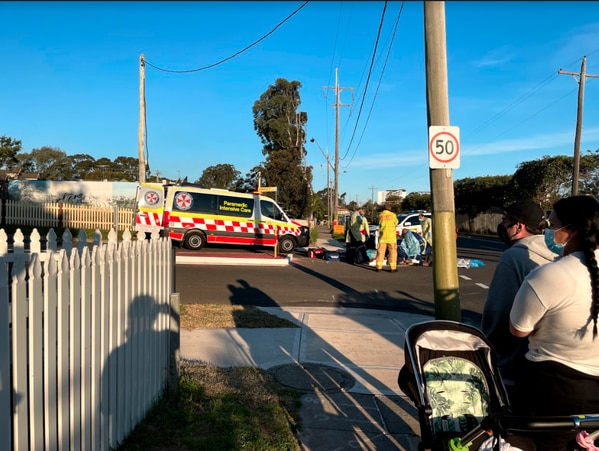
443, 147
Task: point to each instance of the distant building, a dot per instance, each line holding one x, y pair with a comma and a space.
17, 174
382, 196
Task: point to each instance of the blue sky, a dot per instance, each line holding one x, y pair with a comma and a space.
70, 79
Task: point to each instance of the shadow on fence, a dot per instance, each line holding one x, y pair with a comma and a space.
88, 338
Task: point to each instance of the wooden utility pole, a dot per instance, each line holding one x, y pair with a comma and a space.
581, 79
337, 104
142, 121
445, 271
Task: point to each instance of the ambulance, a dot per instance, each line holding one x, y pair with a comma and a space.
193, 216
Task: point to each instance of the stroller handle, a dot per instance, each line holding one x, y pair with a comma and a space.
500, 424
517, 423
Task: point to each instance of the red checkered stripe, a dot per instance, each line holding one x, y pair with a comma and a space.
148, 219
183, 222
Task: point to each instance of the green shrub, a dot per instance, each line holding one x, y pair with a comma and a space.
313, 235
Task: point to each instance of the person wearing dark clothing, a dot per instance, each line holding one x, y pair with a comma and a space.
521, 227
356, 236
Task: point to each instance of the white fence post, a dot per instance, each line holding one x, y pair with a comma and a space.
19, 356
35, 352
51, 334
62, 351
86, 337
5, 386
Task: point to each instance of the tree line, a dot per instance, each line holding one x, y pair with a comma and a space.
52, 163
281, 126
278, 122
543, 180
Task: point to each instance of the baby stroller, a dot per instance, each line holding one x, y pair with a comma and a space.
451, 376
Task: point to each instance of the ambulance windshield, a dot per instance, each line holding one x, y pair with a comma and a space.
267, 208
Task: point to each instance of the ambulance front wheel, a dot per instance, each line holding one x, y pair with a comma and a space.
194, 240
287, 244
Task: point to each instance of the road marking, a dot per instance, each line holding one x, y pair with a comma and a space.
482, 285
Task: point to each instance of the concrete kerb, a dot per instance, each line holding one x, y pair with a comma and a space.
198, 259
204, 258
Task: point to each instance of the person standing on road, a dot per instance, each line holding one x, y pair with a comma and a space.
427, 232
387, 239
521, 228
557, 308
357, 234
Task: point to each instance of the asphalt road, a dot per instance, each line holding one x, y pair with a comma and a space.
313, 282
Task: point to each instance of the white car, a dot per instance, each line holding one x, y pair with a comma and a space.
410, 221
404, 220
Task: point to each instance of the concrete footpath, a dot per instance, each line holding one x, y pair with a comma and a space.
345, 361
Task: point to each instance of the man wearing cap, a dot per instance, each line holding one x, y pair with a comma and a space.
521, 227
357, 232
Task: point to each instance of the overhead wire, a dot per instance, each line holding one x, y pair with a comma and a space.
529, 117
522, 98
324, 92
210, 66
514, 104
367, 79
378, 84
492, 119
525, 96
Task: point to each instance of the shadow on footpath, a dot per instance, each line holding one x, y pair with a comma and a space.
331, 417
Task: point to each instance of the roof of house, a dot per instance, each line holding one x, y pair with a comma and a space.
18, 175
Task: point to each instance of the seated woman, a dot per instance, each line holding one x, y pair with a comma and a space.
409, 249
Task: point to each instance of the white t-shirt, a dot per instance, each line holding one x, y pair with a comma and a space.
555, 302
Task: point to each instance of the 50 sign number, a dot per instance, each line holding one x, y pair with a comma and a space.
444, 147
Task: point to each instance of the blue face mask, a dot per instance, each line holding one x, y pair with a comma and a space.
556, 248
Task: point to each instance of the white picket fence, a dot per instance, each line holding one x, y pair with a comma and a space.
59, 214
84, 339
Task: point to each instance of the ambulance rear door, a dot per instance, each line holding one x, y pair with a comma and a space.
150, 207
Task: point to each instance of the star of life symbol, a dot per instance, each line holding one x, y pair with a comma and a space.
183, 201
152, 198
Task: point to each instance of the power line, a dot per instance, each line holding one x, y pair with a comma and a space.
367, 79
378, 85
235, 54
522, 98
530, 117
512, 105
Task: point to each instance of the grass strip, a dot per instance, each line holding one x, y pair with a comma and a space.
221, 409
212, 316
